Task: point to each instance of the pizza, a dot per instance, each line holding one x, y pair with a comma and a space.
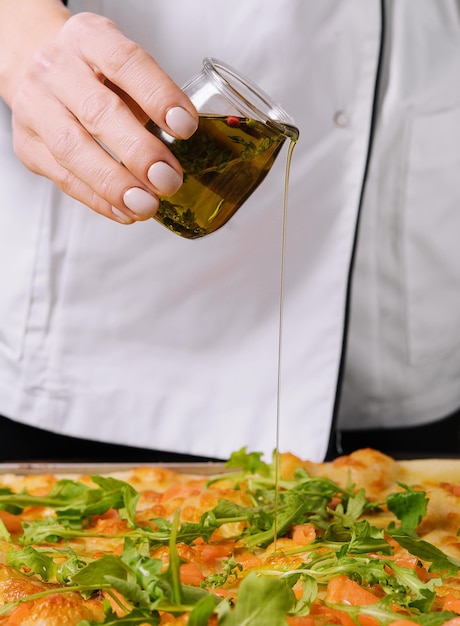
363, 540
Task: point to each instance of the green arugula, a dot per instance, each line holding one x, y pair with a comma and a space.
249, 462
34, 561
202, 611
229, 571
384, 613
262, 600
74, 502
440, 561
4, 534
409, 506
346, 544
51, 531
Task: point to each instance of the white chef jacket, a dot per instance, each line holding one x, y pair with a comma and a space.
134, 335
403, 355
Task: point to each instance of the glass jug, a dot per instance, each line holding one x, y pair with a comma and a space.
240, 133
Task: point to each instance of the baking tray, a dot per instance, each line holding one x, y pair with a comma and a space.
21, 468
447, 469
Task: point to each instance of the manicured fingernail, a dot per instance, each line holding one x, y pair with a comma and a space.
140, 202
122, 217
181, 122
164, 178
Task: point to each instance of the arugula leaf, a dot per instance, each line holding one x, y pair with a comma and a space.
202, 611
70, 567
32, 561
147, 570
109, 571
131, 591
228, 573
409, 506
4, 534
309, 594
49, 531
262, 600
172, 574
250, 462
350, 510
189, 531
227, 511
111, 486
95, 573
329, 563
137, 557
292, 509
5, 504
440, 562
368, 538
73, 501
421, 594
60, 497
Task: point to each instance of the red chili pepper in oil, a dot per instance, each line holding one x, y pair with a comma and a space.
233, 121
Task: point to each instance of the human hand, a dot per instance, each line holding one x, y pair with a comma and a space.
88, 85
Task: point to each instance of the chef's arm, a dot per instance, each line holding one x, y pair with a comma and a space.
67, 80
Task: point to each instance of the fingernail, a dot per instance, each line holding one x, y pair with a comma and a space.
140, 202
164, 178
181, 122
122, 217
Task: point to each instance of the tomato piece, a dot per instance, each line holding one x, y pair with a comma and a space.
334, 616
190, 574
303, 534
343, 590
12, 522
211, 552
249, 560
451, 603
308, 620
20, 613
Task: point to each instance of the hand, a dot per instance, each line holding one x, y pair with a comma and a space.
88, 85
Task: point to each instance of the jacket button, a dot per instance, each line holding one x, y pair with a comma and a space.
341, 119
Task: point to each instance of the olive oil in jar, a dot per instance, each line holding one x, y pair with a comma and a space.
223, 162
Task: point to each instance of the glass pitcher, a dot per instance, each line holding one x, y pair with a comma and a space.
240, 133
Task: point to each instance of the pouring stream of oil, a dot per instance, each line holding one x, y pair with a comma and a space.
280, 336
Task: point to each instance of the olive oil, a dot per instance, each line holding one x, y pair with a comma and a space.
223, 162
276, 458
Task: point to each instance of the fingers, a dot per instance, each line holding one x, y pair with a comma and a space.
128, 66
106, 117
73, 186
67, 154
93, 86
